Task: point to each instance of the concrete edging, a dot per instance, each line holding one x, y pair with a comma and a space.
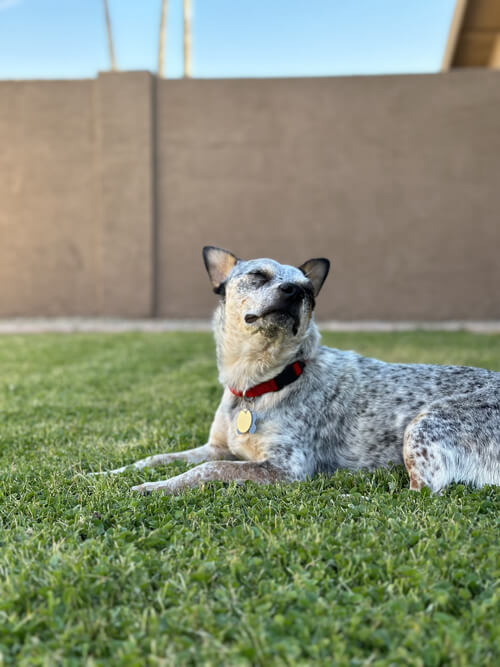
118, 325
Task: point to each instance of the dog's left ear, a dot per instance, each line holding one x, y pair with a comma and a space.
219, 264
316, 270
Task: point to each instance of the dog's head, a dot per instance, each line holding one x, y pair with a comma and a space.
263, 298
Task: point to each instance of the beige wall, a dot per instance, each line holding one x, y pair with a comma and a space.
47, 198
109, 188
76, 196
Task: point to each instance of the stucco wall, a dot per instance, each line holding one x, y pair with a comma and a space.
48, 206
109, 188
76, 196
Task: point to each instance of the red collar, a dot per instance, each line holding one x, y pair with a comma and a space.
286, 377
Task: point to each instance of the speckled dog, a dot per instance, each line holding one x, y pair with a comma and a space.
291, 408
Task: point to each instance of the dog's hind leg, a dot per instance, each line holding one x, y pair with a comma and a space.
455, 441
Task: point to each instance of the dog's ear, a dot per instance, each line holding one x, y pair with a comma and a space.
316, 270
219, 264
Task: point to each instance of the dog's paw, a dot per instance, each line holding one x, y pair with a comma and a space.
147, 489
142, 489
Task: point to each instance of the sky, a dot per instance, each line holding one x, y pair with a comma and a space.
231, 38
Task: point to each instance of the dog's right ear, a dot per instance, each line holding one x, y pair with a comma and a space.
219, 264
316, 270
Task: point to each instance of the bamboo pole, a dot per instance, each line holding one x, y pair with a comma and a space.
163, 30
187, 38
111, 49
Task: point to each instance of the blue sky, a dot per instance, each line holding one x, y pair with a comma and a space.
231, 38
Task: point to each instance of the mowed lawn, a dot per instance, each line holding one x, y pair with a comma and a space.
347, 570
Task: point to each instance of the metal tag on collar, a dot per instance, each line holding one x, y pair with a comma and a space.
245, 422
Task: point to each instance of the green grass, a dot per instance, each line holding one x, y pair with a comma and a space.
347, 570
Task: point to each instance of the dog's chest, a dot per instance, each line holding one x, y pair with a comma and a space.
251, 446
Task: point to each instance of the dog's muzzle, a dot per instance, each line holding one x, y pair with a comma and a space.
285, 309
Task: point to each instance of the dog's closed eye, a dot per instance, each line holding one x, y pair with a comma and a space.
258, 277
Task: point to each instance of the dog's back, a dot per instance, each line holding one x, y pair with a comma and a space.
367, 404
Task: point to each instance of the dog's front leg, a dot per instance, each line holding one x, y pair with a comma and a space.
217, 471
208, 452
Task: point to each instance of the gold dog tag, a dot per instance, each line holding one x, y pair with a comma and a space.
245, 422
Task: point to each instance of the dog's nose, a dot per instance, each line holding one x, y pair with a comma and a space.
288, 289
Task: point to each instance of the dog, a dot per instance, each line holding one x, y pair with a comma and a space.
292, 408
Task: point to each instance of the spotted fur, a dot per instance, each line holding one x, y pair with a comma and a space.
345, 410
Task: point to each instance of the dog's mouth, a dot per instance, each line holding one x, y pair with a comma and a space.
250, 318
279, 317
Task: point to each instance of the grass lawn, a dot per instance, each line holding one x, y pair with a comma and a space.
347, 570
